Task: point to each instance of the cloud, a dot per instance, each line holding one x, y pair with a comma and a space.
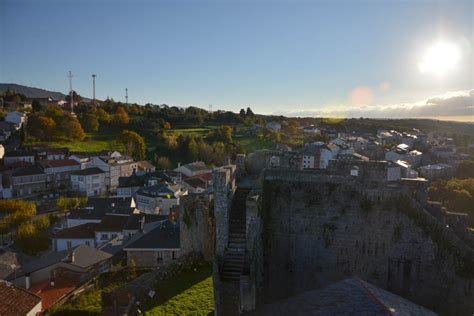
451, 104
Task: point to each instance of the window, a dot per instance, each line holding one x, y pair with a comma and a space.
104, 236
113, 236
88, 243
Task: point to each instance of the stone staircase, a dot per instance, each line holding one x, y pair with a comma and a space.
234, 256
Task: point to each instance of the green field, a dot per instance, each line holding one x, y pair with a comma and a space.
94, 142
189, 293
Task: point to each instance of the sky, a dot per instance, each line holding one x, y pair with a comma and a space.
310, 58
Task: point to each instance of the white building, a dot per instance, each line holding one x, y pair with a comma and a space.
69, 238
17, 118
114, 167
159, 198
193, 169
89, 182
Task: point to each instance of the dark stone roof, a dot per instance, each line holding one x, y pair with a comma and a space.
84, 231
349, 297
112, 223
85, 256
19, 153
134, 221
15, 300
87, 172
87, 213
132, 181
164, 235
27, 171
109, 203
156, 190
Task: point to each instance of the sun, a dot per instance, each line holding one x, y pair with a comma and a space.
440, 58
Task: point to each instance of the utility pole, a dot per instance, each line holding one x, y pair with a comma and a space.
93, 87
71, 100
126, 96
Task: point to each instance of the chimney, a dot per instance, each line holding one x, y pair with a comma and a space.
27, 281
142, 224
179, 164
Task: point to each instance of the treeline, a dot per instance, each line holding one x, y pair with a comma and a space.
213, 149
53, 123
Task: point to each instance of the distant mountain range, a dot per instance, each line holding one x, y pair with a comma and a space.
31, 92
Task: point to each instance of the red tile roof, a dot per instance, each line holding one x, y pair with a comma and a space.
15, 300
52, 294
62, 163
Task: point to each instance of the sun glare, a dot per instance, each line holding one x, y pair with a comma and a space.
439, 58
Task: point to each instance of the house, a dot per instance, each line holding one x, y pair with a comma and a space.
317, 155
114, 167
195, 185
96, 208
89, 182
436, 171
403, 152
54, 276
159, 198
110, 227
28, 181
11, 157
51, 154
129, 185
81, 159
144, 167
274, 126
58, 172
18, 301
72, 237
311, 129
158, 244
193, 169
17, 118
444, 152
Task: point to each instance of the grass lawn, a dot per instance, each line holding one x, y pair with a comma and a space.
94, 142
90, 301
252, 143
189, 293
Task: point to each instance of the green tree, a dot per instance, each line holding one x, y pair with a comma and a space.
163, 163
102, 116
134, 144
90, 122
193, 150
132, 270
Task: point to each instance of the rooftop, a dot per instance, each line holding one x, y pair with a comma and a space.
164, 235
348, 297
87, 172
27, 171
112, 223
84, 231
15, 300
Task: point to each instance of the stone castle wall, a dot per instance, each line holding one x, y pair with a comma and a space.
318, 229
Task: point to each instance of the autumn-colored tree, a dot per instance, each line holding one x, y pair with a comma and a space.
132, 270
167, 125
120, 117
134, 144
41, 127
72, 129
55, 112
30, 239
